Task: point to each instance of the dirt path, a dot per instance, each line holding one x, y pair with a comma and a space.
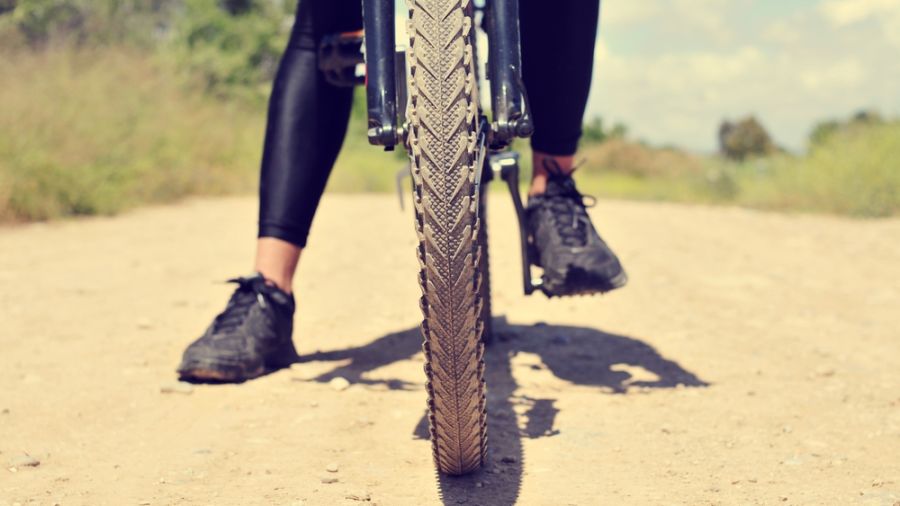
754, 359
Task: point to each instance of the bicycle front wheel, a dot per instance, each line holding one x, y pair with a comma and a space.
443, 118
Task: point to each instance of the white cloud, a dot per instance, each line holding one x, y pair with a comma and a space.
837, 75
885, 13
706, 16
791, 70
625, 12
781, 31
846, 12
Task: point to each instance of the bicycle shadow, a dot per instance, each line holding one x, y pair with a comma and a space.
581, 355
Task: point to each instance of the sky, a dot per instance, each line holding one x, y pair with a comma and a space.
672, 70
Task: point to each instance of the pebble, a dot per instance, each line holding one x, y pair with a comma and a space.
329, 479
339, 384
793, 461
24, 461
332, 468
144, 324
359, 496
177, 387
508, 460
825, 372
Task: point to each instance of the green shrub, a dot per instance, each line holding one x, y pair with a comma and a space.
854, 171
42, 23
595, 132
233, 46
824, 130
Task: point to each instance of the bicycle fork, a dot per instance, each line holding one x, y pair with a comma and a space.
386, 103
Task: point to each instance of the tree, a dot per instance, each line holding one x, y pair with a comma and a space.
743, 139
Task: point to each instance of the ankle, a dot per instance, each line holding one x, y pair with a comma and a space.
277, 260
544, 165
538, 185
282, 283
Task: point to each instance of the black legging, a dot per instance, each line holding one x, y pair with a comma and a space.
308, 116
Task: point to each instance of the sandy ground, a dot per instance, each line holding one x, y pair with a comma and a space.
753, 359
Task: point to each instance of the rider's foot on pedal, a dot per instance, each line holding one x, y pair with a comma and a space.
249, 338
574, 257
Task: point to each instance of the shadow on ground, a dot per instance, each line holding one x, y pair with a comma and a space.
581, 355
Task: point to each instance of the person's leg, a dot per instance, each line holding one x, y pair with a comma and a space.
557, 64
306, 126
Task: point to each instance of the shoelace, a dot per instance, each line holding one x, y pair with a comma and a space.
567, 205
245, 297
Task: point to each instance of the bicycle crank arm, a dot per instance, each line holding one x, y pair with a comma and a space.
506, 166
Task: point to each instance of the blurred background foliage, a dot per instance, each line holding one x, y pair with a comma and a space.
109, 104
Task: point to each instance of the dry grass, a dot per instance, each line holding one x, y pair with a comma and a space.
855, 172
634, 159
97, 132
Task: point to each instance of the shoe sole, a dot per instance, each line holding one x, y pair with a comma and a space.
557, 286
206, 369
217, 371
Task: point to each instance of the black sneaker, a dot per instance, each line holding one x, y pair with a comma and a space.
575, 259
251, 337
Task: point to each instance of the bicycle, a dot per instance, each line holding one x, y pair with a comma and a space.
426, 99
